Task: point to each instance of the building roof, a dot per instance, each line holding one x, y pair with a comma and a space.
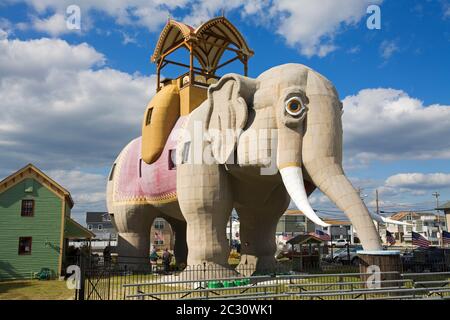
402, 214
213, 36
74, 230
93, 217
30, 171
292, 212
304, 239
444, 206
337, 222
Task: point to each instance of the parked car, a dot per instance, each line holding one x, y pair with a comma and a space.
340, 242
348, 256
330, 257
426, 259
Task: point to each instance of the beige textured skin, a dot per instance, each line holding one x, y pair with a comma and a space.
133, 222
208, 191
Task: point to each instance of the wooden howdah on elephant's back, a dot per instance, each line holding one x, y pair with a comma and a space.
179, 97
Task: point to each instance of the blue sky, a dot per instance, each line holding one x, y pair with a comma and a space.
72, 99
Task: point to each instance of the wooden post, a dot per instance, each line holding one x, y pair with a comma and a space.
387, 261
158, 77
245, 66
191, 64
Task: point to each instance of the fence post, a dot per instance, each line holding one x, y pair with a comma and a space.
109, 280
82, 278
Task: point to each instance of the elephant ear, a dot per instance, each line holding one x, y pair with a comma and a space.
229, 101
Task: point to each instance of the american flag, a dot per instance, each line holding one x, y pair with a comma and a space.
390, 238
321, 235
285, 237
445, 237
419, 240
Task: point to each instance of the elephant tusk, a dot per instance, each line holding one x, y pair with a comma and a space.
382, 219
293, 181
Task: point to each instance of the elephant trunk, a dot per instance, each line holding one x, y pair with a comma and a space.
329, 177
293, 181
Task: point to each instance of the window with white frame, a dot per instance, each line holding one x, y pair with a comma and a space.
159, 224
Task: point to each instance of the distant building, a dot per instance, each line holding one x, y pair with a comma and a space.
294, 222
35, 224
446, 208
425, 223
234, 230
340, 229
161, 235
101, 225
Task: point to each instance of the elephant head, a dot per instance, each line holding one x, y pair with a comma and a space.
304, 109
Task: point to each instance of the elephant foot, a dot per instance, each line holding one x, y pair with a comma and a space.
207, 271
251, 264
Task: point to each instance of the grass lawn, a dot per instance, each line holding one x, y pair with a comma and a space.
35, 290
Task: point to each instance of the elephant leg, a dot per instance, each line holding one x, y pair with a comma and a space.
205, 199
180, 246
257, 233
258, 224
133, 224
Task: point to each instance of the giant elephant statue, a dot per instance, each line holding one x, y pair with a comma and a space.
252, 145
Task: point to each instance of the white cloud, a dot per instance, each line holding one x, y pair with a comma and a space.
148, 13
87, 190
60, 111
419, 180
354, 50
201, 11
388, 48
310, 26
388, 124
38, 58
3, 34
54, 25
446, 9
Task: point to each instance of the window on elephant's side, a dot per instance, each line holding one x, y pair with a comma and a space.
111, 174
172, 159
148, 119
159, 224
186, 147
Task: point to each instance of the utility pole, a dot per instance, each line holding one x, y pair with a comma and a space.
378, 210
437, 195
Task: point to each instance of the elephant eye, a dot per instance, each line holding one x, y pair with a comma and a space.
294, 107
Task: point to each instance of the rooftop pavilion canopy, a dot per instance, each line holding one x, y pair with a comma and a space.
207, 43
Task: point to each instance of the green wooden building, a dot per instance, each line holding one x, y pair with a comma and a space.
35, 224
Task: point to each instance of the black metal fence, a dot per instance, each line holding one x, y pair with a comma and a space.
131, 278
